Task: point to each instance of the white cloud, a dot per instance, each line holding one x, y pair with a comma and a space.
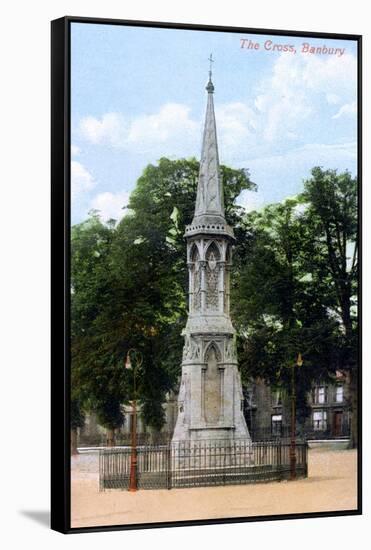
164, 128
288, 97
333, 99
236, 123
287, 104
330, 155
75, 151
81, 179
169, 131
110, 205
281, 176
331, 75
312, 154
347, 109
110, 128
283, 104
250, 200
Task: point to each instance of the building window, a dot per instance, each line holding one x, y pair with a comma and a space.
319, 420
320, 395
276, 424
339, 395
276, 398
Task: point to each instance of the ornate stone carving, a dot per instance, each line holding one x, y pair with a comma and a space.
212, 278
230, 350
197, 287
186, 349
191, 350
211, 324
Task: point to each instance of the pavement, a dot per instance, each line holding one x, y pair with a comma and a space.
331, 486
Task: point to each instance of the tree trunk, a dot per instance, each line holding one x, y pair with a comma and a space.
353, 388
349, 360
110, 437
74, 450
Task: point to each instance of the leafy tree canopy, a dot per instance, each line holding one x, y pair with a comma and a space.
129, 289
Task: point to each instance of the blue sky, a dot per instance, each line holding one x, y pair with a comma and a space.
139, 94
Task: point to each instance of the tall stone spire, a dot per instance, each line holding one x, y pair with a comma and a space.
210, 395
209, 202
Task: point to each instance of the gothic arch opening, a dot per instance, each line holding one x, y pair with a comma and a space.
212, 347
194, 254
212, 385
195, 278
213, 250
212, 276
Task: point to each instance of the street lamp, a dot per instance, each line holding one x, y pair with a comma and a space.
138, 360
299, 362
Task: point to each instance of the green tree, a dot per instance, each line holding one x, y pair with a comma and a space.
77, 421
277, 308
95, 388
332, 204
129, 291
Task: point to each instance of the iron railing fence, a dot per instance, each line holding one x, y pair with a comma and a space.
269, 434
146, 438
302, 433
201, 463
164, 438
341, 432
124, 439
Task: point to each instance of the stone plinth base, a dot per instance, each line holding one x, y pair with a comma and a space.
211, 454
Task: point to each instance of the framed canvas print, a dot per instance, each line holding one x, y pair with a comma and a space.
205, 274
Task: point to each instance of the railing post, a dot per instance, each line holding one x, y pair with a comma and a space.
101, 484
168, 465
134, 456
306, 458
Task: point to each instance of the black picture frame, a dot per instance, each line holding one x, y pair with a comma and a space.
60, 269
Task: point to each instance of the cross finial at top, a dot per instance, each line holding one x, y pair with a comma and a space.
211, 61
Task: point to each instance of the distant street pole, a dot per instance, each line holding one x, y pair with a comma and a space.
138, 360
299, 362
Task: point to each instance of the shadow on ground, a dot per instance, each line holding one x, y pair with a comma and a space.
42, 517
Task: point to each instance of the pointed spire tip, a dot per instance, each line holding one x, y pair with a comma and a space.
210, 86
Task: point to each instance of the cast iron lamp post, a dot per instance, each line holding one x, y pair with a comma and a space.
138, 360
299, 362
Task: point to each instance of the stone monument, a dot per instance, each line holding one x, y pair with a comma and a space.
210, 399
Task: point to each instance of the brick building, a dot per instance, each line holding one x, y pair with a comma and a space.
268, 411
